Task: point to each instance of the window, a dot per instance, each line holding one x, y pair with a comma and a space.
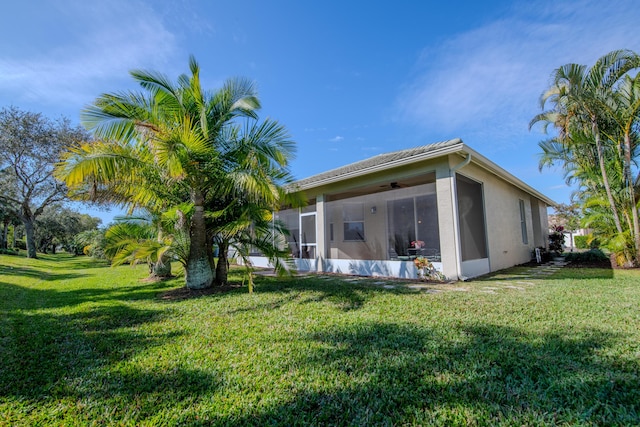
523, 223
353, 219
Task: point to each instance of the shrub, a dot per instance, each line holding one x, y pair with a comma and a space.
9, 252
20, 244
582, 242
556, 240
592, 256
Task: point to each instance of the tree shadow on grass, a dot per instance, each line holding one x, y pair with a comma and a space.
343, 293
14, 297
87, 357
41, 351
345, 296
528, 273
389, 374
38, 273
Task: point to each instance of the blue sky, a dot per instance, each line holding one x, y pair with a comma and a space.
349, 79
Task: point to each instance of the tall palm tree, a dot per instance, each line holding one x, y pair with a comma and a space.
577, 96
624, 108
170, 144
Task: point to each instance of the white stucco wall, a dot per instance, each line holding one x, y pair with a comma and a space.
505, 246
502, 215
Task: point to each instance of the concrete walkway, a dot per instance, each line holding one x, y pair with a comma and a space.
515, 281
545, 269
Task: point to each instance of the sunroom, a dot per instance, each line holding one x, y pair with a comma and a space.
374, 217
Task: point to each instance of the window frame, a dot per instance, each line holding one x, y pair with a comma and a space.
348, 221
523, 222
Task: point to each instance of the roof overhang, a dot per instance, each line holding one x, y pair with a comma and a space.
454, 146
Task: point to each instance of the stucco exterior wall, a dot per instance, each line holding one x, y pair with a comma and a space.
447, 217
502, 215
502, 218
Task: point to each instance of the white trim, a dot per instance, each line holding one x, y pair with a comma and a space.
354, 267
475, 268
375, 268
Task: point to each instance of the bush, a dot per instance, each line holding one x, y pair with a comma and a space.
556, 240
9, 252
20, 244
582, 242
592, 256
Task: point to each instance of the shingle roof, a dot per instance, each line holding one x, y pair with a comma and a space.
386, 159
403, 157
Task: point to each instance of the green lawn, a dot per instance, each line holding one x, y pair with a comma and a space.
85, 344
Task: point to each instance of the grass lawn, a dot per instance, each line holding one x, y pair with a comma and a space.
85, 344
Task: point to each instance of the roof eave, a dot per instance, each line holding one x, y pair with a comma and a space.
487, 164
382, 167
457, 147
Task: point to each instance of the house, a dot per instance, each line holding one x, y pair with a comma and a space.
442, 201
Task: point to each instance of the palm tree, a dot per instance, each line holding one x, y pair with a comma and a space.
578, 95
583, 105
625, 110
154, 240
173, 143
255, 160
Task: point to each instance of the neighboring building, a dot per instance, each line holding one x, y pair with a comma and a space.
443, 201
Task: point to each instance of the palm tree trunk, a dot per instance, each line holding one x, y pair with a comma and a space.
632, 195
162, 268
222, 269
199, 271
605, 176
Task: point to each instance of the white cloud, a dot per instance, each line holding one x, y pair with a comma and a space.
102, 42
487, 81
337, 138
558, 187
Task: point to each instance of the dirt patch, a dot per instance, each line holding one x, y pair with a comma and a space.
186, 293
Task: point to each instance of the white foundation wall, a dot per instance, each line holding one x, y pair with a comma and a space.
354, 267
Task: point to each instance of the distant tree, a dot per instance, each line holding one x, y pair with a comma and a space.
91, 243
57, 226
30, 146
7, 218
568, 217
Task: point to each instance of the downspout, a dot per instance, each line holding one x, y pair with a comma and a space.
456, 220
